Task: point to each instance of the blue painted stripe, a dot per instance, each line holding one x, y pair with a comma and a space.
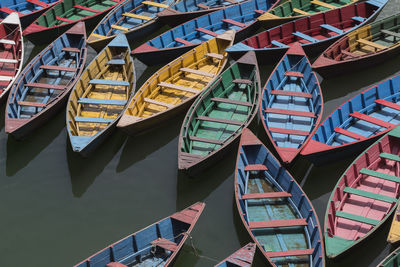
109, 82
102, 101
305, 37
279, 44
332, 28
93, 120
116, 62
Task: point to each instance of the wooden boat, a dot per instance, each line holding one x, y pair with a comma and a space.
365, 196
362, 48
356, 124
64, 15
155, 245
11, 53
27, 10
215, 120
175, 86
291, 104
171, 44
292, 10
394, 233
134, 18
392, 260
315, 32
99, 98
183, 11
241, 258
43, 87
274, 209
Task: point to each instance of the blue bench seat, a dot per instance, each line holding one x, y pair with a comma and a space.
116, 62
332, 28
359, 19
93, 120
305, 37
279, 44
109, 82
95, 101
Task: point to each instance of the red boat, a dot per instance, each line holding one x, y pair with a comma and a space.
365, 196
241, 258
11, 53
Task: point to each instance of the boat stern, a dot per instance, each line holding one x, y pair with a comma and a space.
336, 246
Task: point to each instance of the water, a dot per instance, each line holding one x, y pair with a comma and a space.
58, 208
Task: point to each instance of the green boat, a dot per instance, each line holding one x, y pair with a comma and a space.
216, 119
392, 260
64, 15
294, 9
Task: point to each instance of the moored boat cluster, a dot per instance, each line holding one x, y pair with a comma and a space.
223, 101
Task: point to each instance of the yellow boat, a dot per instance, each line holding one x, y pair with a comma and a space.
295, 9
100, 96
394, 233
172, 88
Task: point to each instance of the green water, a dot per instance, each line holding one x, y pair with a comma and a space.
58, 208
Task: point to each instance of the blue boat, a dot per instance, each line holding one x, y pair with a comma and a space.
173, 43
183, 11
155, 245
28, 10
241, 258
100, 96
274, 209
42, 88
315, 32
134, 18
357, 123
291, 104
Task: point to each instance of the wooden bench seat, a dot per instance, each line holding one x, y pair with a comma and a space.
231, 101
279, 44
380, 175
38, 3
71, 49
260, 11
211, 33
46, 86
232, 1
255, 167
391, 33
290, 112
182, 41
6, 78
358, 18
288, 253
288, 131
294, 74
215, 55
116, 62
96, 101
305, 37
109, 82
10, 61
197, 72
159, 103
388, 104
93, 120
203, 6
370, 195
64, 19
135, 16
87, 8
120, 28
31, 104
372, 120
348, 133
6, 41
291, 93
59, 68
210, 119
389, 156
357, 218
206, 140
277, 223
347, 53
150, 3
266, 195
323, 4
242, 81
302, 12
332, 28
234, 22
372, 44
178, 87
165, 244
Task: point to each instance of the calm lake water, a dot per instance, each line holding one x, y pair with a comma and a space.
58, 208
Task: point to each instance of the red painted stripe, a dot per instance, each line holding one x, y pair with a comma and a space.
294, 74
278, 223
37, 2
87, 8
71, 49
389, 104
234, 22
64, 19
59, 68
266, 195
46, 86
349, 134
207, 32
259, 11
180, 40
373, 120
288, 131
298, 252
290, 112
9, 11
255, 167
291, 93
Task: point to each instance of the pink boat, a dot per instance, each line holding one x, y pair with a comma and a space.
365, 196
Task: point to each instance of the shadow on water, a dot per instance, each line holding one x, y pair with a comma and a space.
83, 171
193, 189
188, 256
20, 153
2, 113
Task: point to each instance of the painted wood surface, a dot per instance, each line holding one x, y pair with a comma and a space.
275, 211
392, 260
45, 83
155, 245
364, 197
217, 118
357, 122
364, 47
176, 85
241, 258
291, 104
100, 96
11, 53
315, 32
